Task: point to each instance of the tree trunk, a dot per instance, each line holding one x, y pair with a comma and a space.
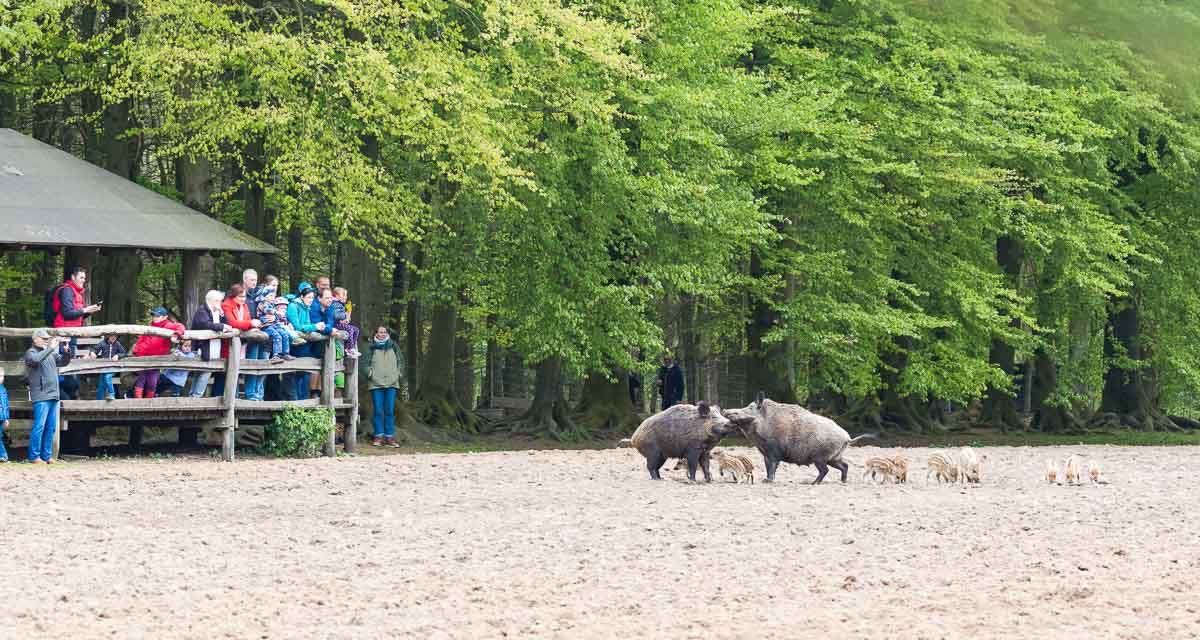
491, 374
295, 256
1130, 394
999, 409
412, 323
765, 366
438, 403
255, 203
887, 409
464, 365
514, 378
690, 346
549, 413
115, 282
361, 276
606, 406
1047, 417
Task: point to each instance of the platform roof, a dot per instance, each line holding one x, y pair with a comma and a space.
49, 197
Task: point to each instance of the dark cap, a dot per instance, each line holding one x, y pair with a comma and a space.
158, 311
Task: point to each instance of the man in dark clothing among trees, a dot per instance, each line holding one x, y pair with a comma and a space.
670, 382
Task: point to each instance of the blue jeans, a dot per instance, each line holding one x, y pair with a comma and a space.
3, 451
104, 386
41, 436
254, 384
281, 340
384, 413
295, 385
200, 384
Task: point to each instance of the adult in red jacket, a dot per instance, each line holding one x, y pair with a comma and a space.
146, 346
238, 316
70, 311
68, 303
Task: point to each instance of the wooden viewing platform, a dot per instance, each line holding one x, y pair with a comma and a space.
224, 413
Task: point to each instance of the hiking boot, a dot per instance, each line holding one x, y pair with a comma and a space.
37, 461
391, 442
376, 442
109, 397
288, 357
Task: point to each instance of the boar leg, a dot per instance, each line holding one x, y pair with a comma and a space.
654, 462
693, 460
840, 466
772, 464
822, 469
704, 466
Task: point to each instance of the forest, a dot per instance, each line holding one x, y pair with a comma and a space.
905, 214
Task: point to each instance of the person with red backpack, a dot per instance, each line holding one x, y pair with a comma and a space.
147, 381
66, 308
67, 305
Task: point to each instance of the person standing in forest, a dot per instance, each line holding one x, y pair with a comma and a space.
384, 364
42, 361
670, 382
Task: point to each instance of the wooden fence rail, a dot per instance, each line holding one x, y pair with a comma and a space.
222, 413
99, 331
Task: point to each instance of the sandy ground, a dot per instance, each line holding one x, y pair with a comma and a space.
582, 544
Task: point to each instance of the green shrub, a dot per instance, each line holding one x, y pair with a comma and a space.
297, 432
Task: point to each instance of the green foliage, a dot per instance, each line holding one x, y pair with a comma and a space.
300, 433
836, 174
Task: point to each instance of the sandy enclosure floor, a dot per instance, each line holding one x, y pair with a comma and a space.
582, 544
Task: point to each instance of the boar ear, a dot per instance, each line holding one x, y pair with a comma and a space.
703, 408
758, 399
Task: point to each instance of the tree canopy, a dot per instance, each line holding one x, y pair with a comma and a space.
874, 207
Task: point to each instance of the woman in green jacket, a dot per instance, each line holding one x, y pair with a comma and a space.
384, 365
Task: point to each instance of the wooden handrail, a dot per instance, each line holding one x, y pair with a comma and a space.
98, 331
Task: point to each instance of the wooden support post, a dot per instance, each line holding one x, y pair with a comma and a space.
350, 438
232, 369
327, 371
60, 425
191, 294
136, 433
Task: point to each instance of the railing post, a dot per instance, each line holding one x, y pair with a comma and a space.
350, 438
233, 366
328, 363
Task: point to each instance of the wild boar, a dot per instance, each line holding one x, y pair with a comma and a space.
791, 433
681, 431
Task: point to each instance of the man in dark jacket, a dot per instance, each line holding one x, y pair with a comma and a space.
42, 361
670, 383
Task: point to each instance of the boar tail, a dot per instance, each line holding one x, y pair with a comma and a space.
865, 435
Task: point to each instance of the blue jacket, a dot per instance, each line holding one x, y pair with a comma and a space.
317, 314
3, 403
339, 311
298, 314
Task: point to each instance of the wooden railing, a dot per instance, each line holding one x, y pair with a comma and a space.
225, 411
